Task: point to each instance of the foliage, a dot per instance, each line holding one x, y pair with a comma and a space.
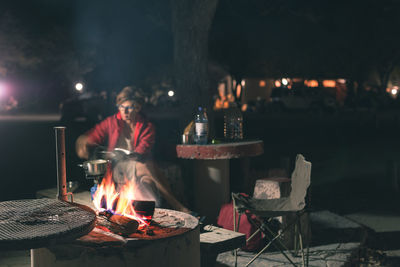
308, 39
110, 46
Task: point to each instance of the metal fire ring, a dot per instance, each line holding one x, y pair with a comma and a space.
33, 223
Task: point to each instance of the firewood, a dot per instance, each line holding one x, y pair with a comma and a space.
118, 224
129, 224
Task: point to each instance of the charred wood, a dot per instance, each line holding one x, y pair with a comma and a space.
118, 224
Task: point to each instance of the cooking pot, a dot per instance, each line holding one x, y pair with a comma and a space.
95, 167
145, 208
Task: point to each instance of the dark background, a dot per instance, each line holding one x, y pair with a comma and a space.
47, 46
351, 153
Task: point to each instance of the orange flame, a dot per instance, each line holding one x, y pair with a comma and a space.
107, 198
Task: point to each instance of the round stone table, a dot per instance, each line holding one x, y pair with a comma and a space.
211, 172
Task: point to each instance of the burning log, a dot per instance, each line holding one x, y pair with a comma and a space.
118, 224
130, 225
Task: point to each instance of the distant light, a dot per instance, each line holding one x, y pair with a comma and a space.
285, 81
2, 89
262, 83
171, 93
311, 83
243, 83
395, 90
277, 83
341, 80
238, 91
79, 86
329, 83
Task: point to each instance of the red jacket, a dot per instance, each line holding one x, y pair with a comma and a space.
110, 128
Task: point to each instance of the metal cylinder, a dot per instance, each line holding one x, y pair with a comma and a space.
61, 165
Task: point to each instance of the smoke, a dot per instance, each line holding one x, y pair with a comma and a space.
127, 170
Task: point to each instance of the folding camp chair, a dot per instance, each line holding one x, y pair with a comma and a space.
267, 209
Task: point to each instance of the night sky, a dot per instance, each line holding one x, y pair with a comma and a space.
49, 45
106, 46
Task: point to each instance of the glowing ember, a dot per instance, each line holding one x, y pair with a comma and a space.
121, 202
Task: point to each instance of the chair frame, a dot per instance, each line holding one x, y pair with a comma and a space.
274, 238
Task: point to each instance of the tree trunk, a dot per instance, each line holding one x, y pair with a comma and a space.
385, 70
384, 76
191, 21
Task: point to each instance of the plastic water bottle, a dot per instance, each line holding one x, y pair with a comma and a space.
201, 126
233, 123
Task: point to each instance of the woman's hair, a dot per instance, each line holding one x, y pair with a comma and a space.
128, 93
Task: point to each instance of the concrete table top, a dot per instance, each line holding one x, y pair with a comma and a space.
221, 151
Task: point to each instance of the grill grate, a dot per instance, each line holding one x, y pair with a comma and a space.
33, 223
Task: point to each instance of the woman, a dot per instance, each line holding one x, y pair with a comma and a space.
130, 130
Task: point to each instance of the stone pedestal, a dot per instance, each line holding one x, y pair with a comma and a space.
211, 172
211, 187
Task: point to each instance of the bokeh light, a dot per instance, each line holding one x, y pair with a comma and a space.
79, 86
2, 89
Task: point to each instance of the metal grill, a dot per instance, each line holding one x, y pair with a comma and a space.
33, 223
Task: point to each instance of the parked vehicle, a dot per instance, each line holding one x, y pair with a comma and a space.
302, 98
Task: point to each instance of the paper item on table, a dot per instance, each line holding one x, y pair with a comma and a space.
189, 129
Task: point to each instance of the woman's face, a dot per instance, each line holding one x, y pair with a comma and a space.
128, 110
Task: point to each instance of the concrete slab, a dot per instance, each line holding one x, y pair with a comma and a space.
393, 253
327, 219
377, 222
392, 258
384, 229
328, 228
333, 255
18, 258
334, 240
81, 197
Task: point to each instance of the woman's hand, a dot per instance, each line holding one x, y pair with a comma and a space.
81, 147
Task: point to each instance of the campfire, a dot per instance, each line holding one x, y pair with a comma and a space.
127, 223
122, 211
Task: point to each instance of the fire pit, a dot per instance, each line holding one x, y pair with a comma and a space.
171, 239
127, 233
